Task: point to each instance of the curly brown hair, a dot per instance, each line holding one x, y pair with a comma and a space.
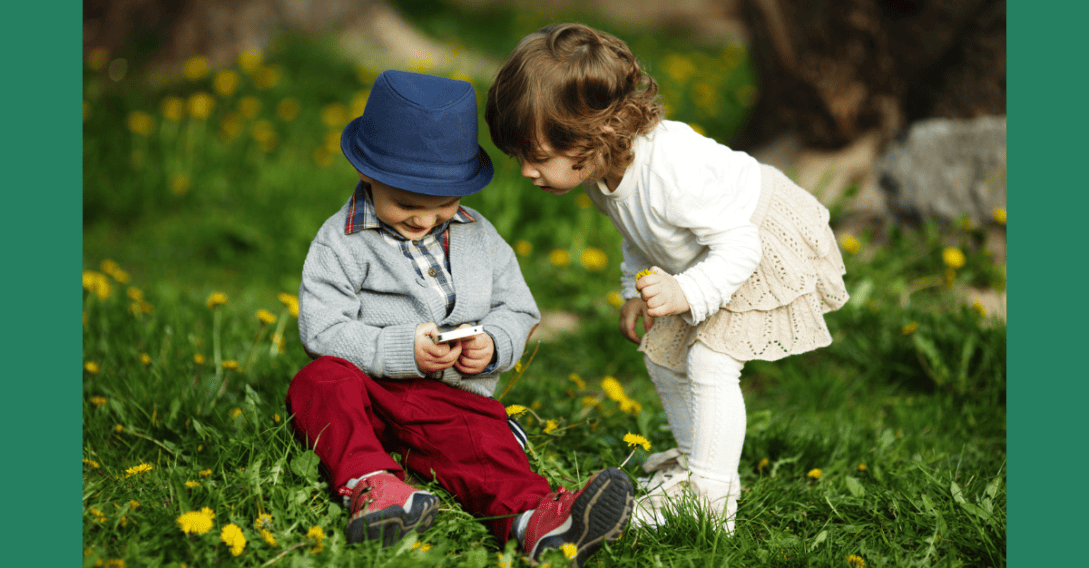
579, 90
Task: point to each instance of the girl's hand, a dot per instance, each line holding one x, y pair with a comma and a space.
433, 357
634, 309
476, 353
662, 293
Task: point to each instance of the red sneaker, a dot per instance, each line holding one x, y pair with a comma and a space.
596, 514
386, 508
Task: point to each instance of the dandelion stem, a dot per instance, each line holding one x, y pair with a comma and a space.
625, 462
215, 344
918, 285
253, 348
514, 380
275, 349
285, 552
150, 439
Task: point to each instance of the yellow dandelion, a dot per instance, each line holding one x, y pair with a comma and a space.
216, 299
276, 418
225, 82
134, 294
292, 303
98, 400
97, 284
850, 244
197, 67
179, 184
250, 60
92, 463
98, 58
98, 515
569, 550
118, 428
615, 299
953, 257
977, 305
233, 537
278, 340
573, 377
266, 317
198, 359
861, 467
141, 122
205, 472
358, 103
91, 367
594, 258
523, 248
249, 106
317, 536
550, 426
636, 440
231, 364
588, 401
815, 473
133, 503
678, 67
583, 201
560, 257
613, 389
334, 115
173, 108
323, 157
267, 77
268, 536
763, 463
516, 410
263, 521
643, 273
909, 328
138, 469
200, 105
288, 109
262, 131
192, 483
1000, 215
208, 512
235, 412
116, 562
856, 561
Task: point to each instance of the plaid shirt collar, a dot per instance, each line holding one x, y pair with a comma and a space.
361, 215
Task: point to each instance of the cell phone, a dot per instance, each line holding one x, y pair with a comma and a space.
459, 333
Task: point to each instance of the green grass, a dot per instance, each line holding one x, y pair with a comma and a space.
913, 387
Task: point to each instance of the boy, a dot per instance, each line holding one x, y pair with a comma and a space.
400, 262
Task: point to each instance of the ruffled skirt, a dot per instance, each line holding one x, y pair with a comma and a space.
780, 309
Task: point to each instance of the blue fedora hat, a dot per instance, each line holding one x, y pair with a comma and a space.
419, 133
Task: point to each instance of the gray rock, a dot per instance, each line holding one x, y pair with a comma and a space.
945, 168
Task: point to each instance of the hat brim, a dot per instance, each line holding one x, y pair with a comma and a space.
426, 185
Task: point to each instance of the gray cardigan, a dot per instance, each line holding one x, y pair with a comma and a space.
361, 300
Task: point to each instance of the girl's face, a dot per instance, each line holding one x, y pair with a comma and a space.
552, 171
412, 215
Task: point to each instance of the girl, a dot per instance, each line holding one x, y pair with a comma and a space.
725, 260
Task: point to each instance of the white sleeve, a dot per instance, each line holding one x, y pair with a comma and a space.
719, 216
633, 263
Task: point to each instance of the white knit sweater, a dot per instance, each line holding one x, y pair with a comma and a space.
685, 204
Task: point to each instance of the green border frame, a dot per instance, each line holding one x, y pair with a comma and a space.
42, 287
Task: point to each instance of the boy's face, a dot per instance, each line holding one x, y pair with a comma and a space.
412, 215
552, 171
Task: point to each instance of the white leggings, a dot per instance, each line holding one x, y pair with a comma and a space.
706, 412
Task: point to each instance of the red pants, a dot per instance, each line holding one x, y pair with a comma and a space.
353, 421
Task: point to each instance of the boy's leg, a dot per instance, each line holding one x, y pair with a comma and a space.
334, 411
718, 411
464, 438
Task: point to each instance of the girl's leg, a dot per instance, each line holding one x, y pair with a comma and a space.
675, 392
718, 426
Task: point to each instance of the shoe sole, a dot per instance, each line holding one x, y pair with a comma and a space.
598, 516
391, 525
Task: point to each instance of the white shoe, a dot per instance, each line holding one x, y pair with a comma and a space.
664, 488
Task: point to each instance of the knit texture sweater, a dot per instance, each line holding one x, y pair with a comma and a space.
361, 300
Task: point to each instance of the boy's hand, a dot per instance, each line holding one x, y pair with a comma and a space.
433, 357
662, 293
634, 309
476, 353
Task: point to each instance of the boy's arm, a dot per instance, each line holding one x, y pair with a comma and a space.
329, 325
513, 313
